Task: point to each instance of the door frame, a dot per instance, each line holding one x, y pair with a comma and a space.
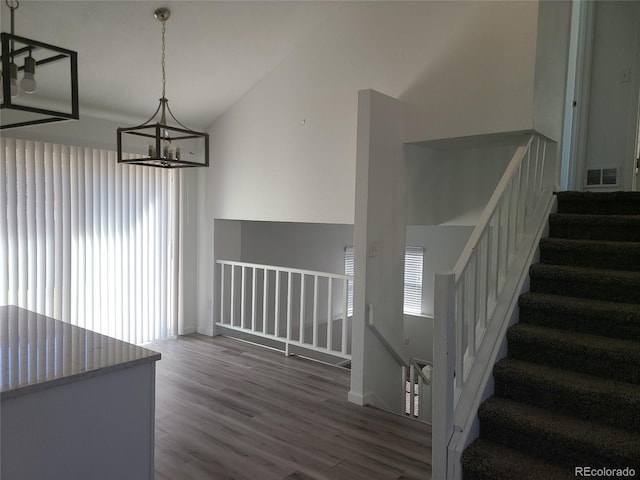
576, 120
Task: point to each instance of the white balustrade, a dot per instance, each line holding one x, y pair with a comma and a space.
417, 387
469, 311
297, 307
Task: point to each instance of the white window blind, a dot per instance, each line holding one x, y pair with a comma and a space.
88, 241
413, 267
349, 270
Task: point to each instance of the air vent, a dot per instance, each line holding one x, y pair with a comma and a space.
603, 177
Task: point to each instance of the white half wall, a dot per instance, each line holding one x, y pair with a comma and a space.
552, 55
188, 251
379, 249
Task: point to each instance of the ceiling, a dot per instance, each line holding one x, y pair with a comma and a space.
215, 51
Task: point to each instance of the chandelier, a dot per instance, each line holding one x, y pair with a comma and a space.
170, 144
53, 97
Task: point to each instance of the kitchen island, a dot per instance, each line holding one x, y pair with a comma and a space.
74, 404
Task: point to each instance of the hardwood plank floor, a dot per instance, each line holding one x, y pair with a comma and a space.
227, 409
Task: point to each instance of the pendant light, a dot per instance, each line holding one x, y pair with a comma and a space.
170, 145
23, 104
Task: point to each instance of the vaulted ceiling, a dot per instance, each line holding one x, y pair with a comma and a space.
215, 51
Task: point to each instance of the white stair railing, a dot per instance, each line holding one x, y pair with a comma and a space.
475, 301
414, 383
295, 307
418, 391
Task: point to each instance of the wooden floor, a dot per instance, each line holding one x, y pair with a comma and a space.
226, 409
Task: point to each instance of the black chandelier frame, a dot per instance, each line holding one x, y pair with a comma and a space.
8, 55
161, 150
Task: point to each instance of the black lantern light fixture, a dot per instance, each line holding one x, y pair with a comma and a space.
53, 97
169, 146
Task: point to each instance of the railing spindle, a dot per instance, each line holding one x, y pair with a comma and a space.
329, 314
276, 308
420, 399
253, 298
302, 303
542, 165
471, 314
233, 300
345, 315
315, 310
412, 376
221, 293
289, 307
265, 300
243, 293
459, 313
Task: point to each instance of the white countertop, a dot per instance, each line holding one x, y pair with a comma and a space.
39, 352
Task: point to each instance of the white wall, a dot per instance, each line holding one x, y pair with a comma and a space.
188, 315
379, 249
552, 55
90, 130
286, 150
418, 337
451, 182
442, 246
615, 86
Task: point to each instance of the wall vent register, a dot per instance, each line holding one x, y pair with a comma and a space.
603, 177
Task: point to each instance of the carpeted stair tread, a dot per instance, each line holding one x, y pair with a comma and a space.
595, 227
621, 203
580, 352
600, 399
560, 438
599, 284
591, 254
485, 460
568, 393
610, 319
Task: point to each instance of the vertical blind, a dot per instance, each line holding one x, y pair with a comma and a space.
89, 241
413, 268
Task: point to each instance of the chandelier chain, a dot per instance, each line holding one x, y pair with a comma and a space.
164, 82
13, 9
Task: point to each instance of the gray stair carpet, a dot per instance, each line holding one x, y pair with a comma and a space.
568, 393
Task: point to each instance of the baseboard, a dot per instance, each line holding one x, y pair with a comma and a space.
356, 398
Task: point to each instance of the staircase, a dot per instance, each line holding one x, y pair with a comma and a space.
568, 393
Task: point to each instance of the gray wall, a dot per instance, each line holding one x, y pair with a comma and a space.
310, 246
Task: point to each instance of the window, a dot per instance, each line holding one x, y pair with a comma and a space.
348, 270
88, 241
413, 263
413, 267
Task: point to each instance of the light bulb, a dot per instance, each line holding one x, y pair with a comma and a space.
28, 82
13, 71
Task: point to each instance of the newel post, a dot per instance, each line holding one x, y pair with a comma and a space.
443, 376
